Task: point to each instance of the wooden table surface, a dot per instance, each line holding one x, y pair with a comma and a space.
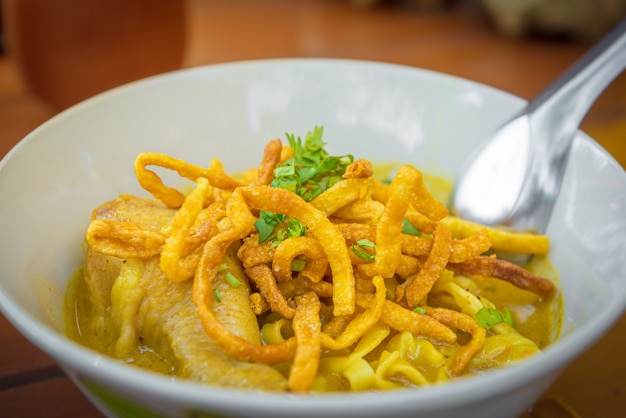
459, 41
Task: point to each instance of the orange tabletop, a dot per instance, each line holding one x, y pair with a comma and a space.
458, 41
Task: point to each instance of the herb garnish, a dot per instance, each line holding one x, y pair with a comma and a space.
419, 310
488, 317
308, 173
408, 228
232, 280
266, 224
360, 249
311, 170
276, 227
298, 264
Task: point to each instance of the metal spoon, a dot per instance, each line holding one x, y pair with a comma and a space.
515, 177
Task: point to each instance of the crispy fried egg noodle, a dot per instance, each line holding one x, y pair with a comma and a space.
352, 301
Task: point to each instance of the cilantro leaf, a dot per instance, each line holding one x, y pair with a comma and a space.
488, 317
308, 173
285, 170
360, 249
275, 227
266, 224
311, 170
409, 229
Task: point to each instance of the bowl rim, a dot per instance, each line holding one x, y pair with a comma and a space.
87, 362
84, 363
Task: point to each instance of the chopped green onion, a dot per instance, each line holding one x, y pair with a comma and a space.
295, 228
232, 280
217, 295
298, 264
488, 317
419, 310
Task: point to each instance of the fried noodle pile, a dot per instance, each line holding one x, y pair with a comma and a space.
341, 257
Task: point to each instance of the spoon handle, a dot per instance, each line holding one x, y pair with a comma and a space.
570, 97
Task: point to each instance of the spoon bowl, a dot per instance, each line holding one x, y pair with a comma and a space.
514, 178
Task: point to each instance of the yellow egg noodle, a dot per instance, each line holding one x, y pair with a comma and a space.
307, 274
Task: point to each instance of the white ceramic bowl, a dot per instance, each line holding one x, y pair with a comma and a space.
51, 180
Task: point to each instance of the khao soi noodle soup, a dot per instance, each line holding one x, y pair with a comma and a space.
308, 273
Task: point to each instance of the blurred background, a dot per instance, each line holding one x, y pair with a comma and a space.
55, 53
